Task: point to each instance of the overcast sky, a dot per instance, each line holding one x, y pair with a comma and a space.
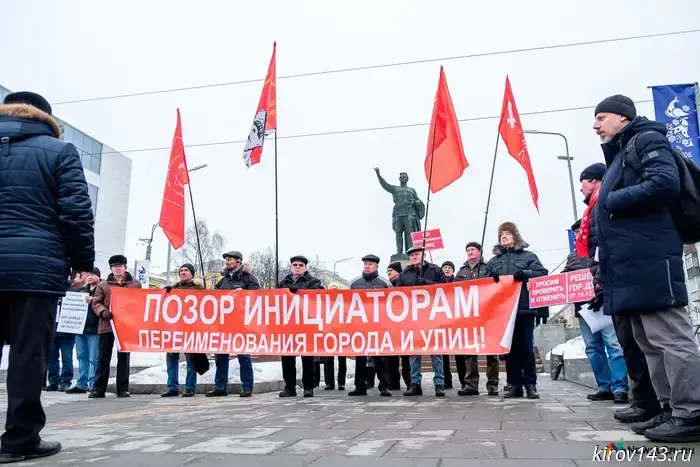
330, 202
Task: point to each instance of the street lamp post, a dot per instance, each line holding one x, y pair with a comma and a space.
339, 261
148, 241
170, 247
568, 160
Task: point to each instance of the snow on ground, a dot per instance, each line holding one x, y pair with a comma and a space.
571, 349
138, 359
264, 371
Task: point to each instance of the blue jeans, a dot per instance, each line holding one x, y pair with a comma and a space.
221, 376
609, 370
87, 346
172, 361
438, 370
64, 346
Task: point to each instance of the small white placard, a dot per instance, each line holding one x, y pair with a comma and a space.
73, 313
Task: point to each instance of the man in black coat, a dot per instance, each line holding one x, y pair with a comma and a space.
421, 272
298, 279
47, 230
641, 261
237, 275
468, 365
370, 279
395, 362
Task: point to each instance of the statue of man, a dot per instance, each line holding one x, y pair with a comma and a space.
408, 211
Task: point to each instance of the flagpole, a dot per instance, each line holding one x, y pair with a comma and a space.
488, 199
196, 232
427, 204
277, 223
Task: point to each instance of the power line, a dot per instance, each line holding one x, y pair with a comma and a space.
385, 65
361, 130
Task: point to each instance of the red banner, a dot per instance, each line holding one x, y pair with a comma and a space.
558, 289
474, 317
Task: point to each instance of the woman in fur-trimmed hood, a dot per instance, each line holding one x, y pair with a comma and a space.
512, 258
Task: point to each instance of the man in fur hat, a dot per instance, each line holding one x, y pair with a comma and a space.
119, 277
172, 360
47, 231
237, 275
512, 259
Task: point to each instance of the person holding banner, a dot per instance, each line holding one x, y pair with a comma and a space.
370, 280
119, 277
298, 279
468, 366
237, 275
512, 259
395, 362
172, 360
448, 267
421, 272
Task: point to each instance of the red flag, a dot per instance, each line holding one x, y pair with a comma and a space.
445, 151
512, 133
265, 116
172, 212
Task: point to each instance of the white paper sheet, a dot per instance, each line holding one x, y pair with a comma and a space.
596, 320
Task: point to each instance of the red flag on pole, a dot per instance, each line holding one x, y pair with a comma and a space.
445, 152
265, 116
172, 212
511, 131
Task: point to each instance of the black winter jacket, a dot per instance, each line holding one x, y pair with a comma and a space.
46, 222
639, 247
370, 281
307, 281
241, 278
507, 261
467, 273
433, 274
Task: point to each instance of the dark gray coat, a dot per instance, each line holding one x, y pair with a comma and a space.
468, 273
507, 261
370, 281
432, 274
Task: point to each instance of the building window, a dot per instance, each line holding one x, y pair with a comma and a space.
691, 261
92, 191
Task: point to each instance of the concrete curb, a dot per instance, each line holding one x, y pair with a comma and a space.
112, 371
579, 371
234, 388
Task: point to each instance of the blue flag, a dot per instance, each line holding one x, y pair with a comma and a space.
676, 107
572, 240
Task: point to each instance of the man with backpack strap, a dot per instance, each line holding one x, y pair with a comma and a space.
640, 213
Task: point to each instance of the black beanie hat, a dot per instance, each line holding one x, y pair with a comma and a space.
396, 266
28, 98
617, 104
476, 245
117, 260
188, 266
593, 172
448, 263
96, 272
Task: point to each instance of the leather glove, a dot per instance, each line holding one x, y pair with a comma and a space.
106, 315
596, 303
420, 281
294, 288
519, 276
168, 289
496, 278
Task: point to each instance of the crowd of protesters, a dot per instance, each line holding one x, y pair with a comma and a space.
627, 237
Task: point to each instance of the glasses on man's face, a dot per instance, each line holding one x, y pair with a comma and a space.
298, 265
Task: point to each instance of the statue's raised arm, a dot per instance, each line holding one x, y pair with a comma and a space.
390, 188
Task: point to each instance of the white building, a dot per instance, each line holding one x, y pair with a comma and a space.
108, 174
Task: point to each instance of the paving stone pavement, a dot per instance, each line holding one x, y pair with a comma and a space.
562, 429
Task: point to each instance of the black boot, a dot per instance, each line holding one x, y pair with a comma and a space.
308, 393
96, 395
76, 390
676, 430
217, 393
622, 398
532, 392
358, 392
636, 413
329, 388
51, 388
662, 417
188, 393
288, 393
601, 396
170, 393
414, 390
439, 391
43, 449
468, 391
384, 392
493, 391
246, 392
512, 393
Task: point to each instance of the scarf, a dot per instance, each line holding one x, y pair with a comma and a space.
581, 242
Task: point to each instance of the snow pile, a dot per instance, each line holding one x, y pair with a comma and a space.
138, 359
571, 349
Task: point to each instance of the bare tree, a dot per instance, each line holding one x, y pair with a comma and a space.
212, 244
263, 264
